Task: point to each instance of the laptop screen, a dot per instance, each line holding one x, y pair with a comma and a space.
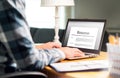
85, 34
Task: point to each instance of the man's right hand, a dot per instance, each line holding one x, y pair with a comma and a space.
71, 52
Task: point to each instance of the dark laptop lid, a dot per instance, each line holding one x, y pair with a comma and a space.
84, 34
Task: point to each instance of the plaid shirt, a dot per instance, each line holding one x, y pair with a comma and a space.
16, 41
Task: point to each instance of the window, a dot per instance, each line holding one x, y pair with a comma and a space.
40, 17
44, 17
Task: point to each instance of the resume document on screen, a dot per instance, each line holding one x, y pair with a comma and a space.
83, 37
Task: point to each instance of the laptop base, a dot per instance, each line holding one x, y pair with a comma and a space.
87, 55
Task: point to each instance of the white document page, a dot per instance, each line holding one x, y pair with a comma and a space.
83, 37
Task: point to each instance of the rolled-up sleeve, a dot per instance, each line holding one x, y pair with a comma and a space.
49, 56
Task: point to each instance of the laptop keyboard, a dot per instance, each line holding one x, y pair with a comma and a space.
80, 65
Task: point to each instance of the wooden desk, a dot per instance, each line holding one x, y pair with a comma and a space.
81, 74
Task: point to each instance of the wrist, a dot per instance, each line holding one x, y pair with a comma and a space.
62, 54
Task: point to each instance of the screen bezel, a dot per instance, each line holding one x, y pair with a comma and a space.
67, 31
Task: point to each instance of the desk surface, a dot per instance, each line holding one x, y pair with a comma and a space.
81, 74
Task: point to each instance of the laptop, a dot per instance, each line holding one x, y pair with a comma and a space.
86, 35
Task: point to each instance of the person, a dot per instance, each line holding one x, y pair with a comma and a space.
17, 45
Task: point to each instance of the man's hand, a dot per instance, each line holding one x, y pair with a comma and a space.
48, 45
71, 52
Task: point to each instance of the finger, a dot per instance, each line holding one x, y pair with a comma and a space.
77, 53
56, 45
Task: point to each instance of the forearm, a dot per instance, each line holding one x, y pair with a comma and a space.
39, 46
47, 57
43, 58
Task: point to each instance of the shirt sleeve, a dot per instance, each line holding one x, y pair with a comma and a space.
16, 37
48, 56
